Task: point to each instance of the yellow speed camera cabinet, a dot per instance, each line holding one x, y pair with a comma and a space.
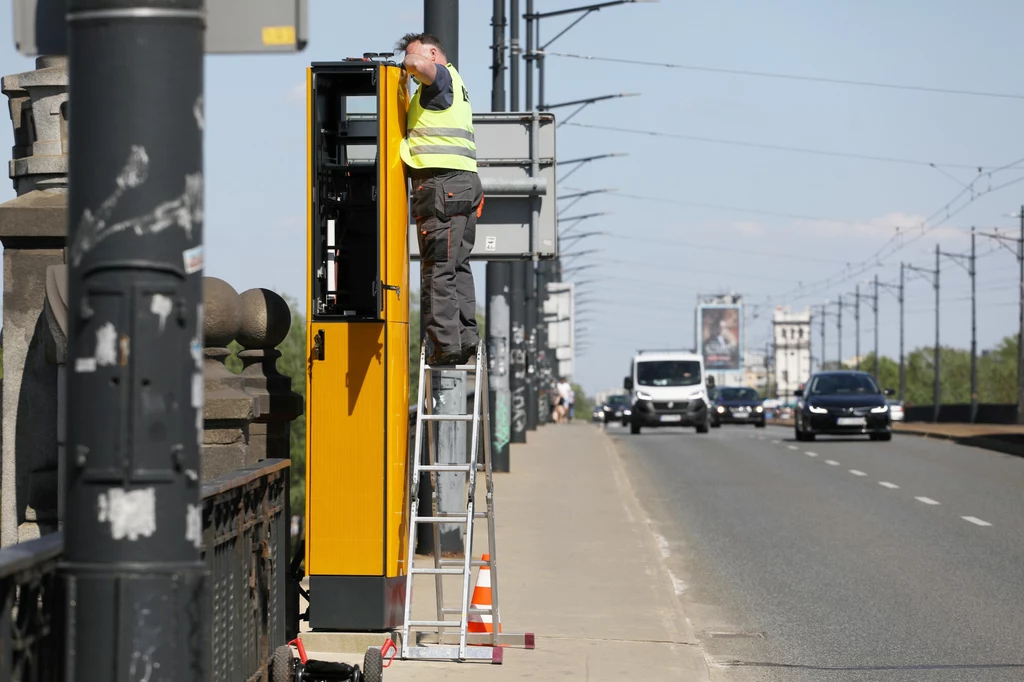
357, 380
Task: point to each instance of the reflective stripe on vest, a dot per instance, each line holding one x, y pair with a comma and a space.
441, 139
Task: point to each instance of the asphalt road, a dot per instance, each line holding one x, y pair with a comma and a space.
839, 559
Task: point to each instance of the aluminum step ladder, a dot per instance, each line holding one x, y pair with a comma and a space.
445, 637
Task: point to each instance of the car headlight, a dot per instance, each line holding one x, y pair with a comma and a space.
627, 412
721, 410
640, 395
817, 410
759, 408
880, 409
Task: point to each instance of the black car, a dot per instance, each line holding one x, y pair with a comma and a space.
736, 405
842, 403
616, 409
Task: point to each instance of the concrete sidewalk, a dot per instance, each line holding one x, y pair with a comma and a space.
579, 567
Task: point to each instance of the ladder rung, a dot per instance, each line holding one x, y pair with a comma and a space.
472, 612
436, 571
447, 417
435, 623
442, 519
464, 468
457, 562
451, 368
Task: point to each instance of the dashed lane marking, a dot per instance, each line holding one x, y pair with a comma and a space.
776, 442
975, 520
857, 472
792, 447
886, 484
811, 454
926, 500
832, 462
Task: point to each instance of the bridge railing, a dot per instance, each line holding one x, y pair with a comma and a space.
245, 548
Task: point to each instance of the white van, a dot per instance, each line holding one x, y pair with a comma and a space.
667, 388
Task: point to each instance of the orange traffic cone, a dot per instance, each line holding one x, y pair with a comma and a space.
482, 622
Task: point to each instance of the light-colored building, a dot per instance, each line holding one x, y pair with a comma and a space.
792, 356
754, 371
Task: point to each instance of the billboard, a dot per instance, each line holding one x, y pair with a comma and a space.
720, 337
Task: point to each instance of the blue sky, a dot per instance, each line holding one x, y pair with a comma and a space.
662, 250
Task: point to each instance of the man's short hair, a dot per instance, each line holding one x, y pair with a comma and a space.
425, 38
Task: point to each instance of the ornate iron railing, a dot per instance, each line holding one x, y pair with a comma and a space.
32, 611
245, 547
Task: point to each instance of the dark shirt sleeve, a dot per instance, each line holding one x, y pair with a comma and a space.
438, 96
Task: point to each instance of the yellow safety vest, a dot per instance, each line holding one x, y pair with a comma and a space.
441, 139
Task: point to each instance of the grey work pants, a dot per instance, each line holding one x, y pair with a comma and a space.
444, 206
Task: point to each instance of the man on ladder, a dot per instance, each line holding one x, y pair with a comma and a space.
440, 151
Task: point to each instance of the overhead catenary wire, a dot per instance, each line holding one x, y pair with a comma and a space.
795, 77
782, 148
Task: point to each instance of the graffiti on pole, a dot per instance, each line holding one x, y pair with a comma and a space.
502, 433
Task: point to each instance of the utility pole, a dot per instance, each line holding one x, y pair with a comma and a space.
874, 310
824, 323
840, 317
1020, 325
499, 275
903, 372
959, 259
441, 18
937, 388
856, 319
133, 525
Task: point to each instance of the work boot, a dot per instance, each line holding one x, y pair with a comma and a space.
469, 354
441, 359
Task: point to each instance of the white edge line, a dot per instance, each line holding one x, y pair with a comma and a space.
886, 484
976, 521
926, 500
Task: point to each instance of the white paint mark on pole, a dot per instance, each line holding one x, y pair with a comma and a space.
890, 486
85, 365
106, 345
975, 520
130, 513
831, 462
857, 472
161, 306
197, 390
197, 111
926, 500
194, 525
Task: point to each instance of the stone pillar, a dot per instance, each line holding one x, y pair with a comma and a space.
266, 320
228, 409
33, 228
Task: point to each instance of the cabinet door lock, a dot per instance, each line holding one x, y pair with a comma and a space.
318, 345
396, 289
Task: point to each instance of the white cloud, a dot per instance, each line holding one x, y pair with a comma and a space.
886, 226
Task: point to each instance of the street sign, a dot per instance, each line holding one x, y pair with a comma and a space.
232, 26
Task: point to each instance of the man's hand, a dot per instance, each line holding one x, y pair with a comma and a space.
423, 69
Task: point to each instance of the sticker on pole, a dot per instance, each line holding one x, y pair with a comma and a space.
193, 259
491, 244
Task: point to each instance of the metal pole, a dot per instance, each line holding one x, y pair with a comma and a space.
856, 320
974, 336
530, 300
540, 66
875, 311
133, 527
498, 279
824, 323
938, 369
1020, 325
529, 56
517, 355
840, 333
903, 375
514, 52
441, 18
